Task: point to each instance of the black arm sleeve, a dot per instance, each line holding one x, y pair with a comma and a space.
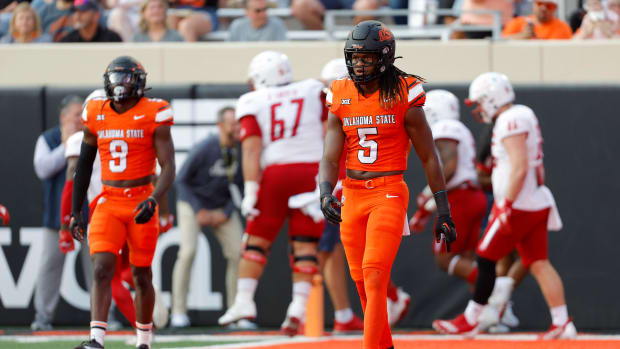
81, 180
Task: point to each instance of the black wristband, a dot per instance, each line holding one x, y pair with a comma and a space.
441, 200
81, 179
326, 188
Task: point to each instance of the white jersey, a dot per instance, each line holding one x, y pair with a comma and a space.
72, 148
456, 130
289, 118
534, 195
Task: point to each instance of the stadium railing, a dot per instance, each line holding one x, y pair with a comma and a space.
335, 31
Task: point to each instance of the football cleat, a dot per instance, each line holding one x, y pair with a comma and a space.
566, 331
489, 316
355, 325
458, 325
509, 318
89, 344
398, 309
179, 320
239, 310
291, 326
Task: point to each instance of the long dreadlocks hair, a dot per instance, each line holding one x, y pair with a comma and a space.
376, 38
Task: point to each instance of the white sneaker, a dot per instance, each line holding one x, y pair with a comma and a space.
566, 331
239, 310
179, 320
489, 316
509, 318
245, 324
499, 328
160, 311
398, 309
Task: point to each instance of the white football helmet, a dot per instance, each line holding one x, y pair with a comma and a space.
270, 68
492, 91
440, 105
334, 69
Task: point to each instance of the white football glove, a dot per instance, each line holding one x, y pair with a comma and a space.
250, 189
309, 203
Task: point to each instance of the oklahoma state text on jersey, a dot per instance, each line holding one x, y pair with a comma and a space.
125, 141
376, 139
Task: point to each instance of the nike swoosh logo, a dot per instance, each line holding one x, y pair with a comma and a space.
138, 117
390, 196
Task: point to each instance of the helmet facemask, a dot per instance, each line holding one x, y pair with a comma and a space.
124, 78
379, 66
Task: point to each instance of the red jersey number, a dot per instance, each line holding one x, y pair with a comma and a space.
278, 125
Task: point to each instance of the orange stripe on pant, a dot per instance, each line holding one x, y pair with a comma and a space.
373, 218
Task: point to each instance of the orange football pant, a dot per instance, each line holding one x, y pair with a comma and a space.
113, 224
373, 218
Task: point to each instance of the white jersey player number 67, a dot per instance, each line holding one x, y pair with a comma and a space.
371, 145
118, 150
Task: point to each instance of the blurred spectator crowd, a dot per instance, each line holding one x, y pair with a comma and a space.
45, 21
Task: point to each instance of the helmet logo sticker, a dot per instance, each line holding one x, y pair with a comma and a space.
385, 34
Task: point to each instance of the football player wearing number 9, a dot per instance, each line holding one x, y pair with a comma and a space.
378, 111
281, 143
524, 209
130, 132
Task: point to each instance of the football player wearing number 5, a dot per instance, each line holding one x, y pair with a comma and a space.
281, 144
524, 209
375, 115
130, 132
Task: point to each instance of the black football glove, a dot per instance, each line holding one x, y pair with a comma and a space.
77, 227
330, 207
146, 210
445, 227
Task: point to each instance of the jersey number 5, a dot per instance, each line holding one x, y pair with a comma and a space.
370, 146
118, 150
278, 126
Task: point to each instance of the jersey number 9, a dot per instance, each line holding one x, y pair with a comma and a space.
118, 150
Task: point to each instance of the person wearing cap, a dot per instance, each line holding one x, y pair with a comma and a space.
50, 166
542, 24
86, 24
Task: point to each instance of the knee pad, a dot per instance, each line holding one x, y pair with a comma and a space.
259, 255
305, 269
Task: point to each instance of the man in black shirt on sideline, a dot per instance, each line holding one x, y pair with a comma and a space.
86, 24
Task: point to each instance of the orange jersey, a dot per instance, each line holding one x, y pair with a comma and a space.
376, 139
555, 29
125, 141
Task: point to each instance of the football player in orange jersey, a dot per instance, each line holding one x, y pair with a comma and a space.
378, 111
130, 132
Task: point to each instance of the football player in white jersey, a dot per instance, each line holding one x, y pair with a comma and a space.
524, 209
282, 143
457, 150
